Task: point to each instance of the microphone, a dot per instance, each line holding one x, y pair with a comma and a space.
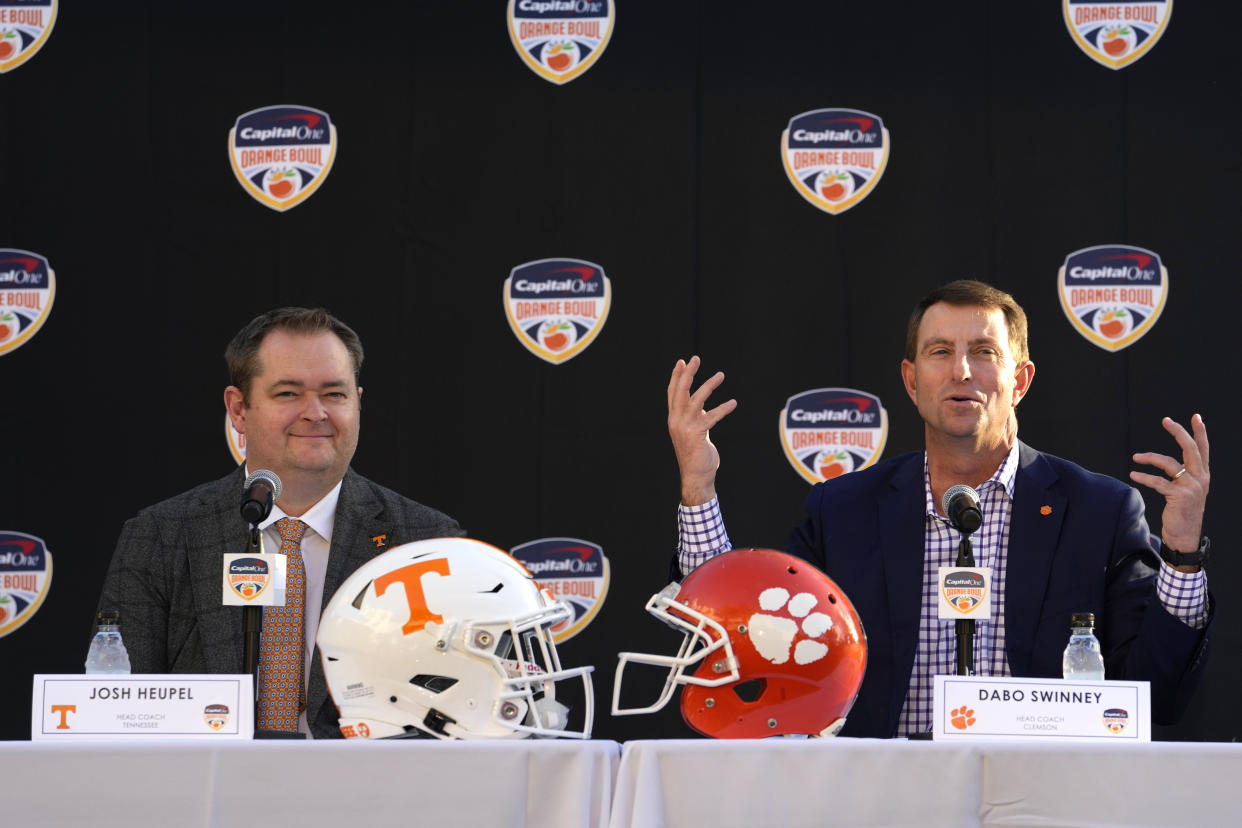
961, 504
262, 489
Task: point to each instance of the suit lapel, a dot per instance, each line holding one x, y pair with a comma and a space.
221, 531
902, 543
1034, 527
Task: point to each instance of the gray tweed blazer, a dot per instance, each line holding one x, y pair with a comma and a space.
165, 575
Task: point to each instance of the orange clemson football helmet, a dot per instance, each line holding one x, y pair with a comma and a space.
772, 647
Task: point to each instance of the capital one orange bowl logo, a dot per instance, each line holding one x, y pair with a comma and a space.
964, 590
556, 307
560, 39
1113, 294
1116, 34
834, 157
249, 577
828, 432
25, 26
216, 716
27, 290
236, 441
282, 154
1116, 719
25, 578
574, 572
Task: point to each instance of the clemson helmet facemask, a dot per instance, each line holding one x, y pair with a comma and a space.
772, 647
449, 639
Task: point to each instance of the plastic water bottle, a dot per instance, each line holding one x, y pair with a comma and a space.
107, 653
1082, 661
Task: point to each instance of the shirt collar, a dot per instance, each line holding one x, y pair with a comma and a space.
321, 517
1004, 476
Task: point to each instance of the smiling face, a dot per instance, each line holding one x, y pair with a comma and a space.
964, 378
301, 414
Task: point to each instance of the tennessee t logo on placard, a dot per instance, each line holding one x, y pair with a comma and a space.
281, 154
25, 26
556, 307
560, 39
1116, 34
834, 157
829, 432
1113, 294
27, 289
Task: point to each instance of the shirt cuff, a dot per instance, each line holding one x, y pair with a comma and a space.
700, 535
1184, 595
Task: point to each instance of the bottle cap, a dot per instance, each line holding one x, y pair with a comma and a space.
1082, 619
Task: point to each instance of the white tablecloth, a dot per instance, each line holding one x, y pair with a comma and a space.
682, 783
306, 784
868, 782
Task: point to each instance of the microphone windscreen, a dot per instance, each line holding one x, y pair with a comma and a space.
954, 491
272, 479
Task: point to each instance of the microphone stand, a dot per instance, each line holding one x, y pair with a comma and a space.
252, 625
965, 627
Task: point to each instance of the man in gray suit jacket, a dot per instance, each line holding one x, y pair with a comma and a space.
295, 396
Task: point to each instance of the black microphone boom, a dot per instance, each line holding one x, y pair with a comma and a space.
261, 491
961, 504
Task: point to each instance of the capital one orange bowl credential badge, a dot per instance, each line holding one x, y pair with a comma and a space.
556, 307
834, 157
1113, 294
25, 578
25, 26
282, 154
829, 432
560, 39
27, 290
574, 572
1116, 34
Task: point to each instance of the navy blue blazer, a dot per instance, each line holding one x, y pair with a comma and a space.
1090, 553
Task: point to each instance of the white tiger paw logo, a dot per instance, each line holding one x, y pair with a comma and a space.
773, 635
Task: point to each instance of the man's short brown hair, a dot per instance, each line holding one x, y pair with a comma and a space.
967, 293
242, 354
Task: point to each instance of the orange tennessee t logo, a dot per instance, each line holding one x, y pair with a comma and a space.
412, 577
64, 710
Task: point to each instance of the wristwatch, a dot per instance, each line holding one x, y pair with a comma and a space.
1174, 558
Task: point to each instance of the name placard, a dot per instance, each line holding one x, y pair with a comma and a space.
981, 708
142, 707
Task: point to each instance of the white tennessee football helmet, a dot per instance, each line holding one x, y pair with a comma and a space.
448, 639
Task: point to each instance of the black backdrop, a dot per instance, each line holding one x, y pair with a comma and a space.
1010, 149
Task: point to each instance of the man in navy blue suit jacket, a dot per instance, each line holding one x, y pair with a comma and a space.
1075, 541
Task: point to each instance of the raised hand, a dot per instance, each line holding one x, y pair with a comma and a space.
1186, 486
688, 426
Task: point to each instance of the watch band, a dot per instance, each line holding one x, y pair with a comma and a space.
1196, 558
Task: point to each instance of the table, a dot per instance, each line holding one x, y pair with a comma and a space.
680, 783
325, 783
873, 782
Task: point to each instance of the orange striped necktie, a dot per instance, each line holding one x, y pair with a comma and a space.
282, 644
